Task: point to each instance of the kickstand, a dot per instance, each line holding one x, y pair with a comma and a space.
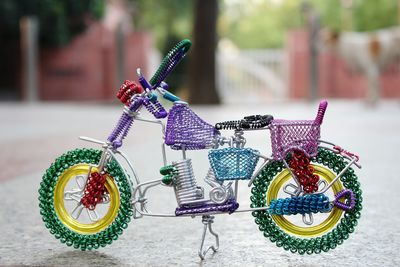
207, 220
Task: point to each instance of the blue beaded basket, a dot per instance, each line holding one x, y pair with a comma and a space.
233, 163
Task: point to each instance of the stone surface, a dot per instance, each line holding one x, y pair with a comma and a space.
32, 136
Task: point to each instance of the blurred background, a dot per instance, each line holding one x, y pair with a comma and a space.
252, 51
63, 61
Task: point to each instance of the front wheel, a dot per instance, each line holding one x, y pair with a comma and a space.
60, 194
325, 231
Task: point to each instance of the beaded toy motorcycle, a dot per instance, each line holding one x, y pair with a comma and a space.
305, 197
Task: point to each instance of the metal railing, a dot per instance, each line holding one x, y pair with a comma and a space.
251, 75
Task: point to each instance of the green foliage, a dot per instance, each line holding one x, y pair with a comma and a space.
371, 15
263, 24
364, 15
59, 20
331, 13
168, 20
257, 24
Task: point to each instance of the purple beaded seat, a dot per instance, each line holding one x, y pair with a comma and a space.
186, 129
289, 135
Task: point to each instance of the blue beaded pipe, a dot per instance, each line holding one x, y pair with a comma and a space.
300, 205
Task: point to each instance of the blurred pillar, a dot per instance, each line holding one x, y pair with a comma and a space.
314, 40
202, 85
398, 12
373, 71
313, 22
298, 64
120, 46
29, 28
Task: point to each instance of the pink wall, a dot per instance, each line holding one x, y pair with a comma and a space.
86, 68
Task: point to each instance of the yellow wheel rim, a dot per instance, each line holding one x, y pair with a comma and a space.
316, 230
65, 217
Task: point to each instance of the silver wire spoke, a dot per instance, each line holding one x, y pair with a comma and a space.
77, 211
81, 181
74, 195
309, 220
145, 208
320, 182
293, 193
93, 215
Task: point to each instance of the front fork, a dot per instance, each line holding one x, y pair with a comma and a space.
105, 156
108, 154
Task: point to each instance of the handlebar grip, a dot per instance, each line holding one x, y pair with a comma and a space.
127, 90
171, 97
321, 111
144, 83
163, 90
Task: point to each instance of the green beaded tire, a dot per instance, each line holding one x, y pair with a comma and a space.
297, 244
61, 224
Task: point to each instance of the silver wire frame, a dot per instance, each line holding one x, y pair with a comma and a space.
139, 189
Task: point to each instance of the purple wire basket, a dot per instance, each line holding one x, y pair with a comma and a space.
287, 135
186, 129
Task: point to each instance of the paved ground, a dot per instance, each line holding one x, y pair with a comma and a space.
31, 136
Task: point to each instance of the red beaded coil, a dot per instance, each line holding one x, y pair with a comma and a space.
94, 190
300, 165
127, 90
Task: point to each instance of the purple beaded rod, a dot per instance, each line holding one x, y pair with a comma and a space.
125, 122
230, 206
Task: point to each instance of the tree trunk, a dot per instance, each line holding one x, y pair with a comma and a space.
202, 85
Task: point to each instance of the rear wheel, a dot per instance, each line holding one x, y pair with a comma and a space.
291, 232
60, 194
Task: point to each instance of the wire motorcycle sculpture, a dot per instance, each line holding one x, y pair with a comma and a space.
306, 197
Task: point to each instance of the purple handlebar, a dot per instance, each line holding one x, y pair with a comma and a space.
321, 112
125, 122
145, 84
155, 108
152, 105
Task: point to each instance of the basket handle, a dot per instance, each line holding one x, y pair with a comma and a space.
321, 111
